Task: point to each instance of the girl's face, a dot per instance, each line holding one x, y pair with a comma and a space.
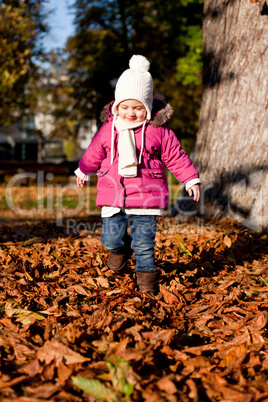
132, 111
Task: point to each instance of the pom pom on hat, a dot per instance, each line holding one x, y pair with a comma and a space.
135, 83
139, 63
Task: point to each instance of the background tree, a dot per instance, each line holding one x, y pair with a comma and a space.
22, 23
232, 142
167, 33
55, 106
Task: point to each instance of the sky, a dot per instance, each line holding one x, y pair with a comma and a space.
60, 23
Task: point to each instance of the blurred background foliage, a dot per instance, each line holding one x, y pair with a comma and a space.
80, 80
22, 24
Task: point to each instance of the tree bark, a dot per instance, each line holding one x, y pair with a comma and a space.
232, 142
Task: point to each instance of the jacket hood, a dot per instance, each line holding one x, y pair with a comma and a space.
162, 112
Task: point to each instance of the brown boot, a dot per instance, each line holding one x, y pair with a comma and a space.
116, 261
147, 280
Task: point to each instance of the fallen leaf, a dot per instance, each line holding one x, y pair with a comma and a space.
227, 241
169, 297
60, 353
167, 385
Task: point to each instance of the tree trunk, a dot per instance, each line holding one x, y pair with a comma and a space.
232, 142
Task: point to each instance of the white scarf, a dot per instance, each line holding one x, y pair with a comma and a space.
127, 160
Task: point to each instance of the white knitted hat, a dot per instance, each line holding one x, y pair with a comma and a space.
135, 83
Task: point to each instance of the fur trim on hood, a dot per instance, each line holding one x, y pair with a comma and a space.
162, 112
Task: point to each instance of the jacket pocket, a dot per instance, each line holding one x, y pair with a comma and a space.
153, 177
102, 171
156, 174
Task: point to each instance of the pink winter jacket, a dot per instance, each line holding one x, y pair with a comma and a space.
149, 188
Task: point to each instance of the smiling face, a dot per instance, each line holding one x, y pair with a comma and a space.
132, 111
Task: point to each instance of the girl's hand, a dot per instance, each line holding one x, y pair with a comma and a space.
195, 192
80, 182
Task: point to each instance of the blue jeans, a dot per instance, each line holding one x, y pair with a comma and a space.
143, 229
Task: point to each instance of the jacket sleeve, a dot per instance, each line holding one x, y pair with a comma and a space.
94, 155
176, 158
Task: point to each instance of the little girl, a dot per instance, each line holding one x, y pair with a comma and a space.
129, 154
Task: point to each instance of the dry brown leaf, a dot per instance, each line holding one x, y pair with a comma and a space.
43, 391
135, 331
32, 369
227, 241
13, 382
259, 322
193, 394
167, 385
64, 373
234, 356
100, 281
132, 310
78, 289
165, 335
169, 297
59, 353
118, 349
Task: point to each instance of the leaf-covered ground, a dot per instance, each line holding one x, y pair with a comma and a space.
71, 330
